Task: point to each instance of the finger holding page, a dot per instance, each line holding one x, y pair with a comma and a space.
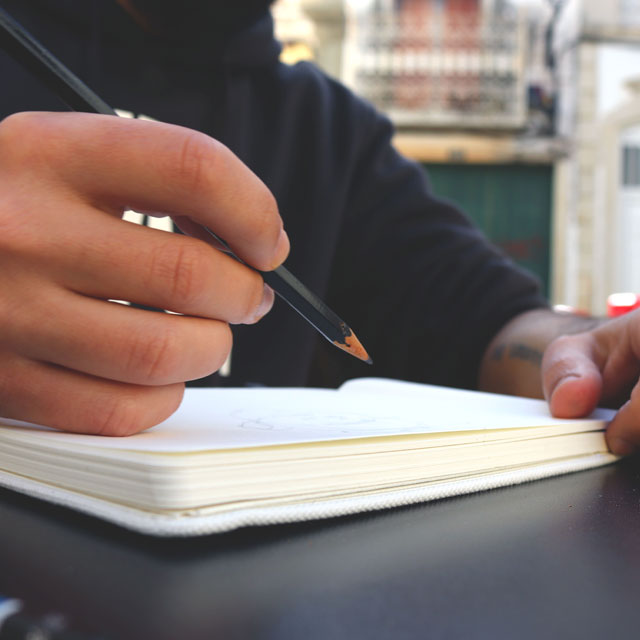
571, 373
599, 366
47, 394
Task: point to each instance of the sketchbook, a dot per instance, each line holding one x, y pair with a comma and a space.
231, 458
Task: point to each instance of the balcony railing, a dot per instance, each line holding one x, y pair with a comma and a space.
440, 73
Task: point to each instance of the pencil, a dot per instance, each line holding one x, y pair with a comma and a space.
26, 50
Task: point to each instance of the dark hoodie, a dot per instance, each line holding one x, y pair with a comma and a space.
419, 284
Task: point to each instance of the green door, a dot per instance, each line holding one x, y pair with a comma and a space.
510, 203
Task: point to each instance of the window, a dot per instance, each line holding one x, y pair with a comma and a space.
631, 166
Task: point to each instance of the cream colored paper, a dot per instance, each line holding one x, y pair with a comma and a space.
215, 419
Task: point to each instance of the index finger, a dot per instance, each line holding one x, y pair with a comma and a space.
118, 163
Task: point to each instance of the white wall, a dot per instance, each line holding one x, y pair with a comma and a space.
616, 65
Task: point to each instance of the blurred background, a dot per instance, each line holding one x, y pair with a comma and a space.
526, 113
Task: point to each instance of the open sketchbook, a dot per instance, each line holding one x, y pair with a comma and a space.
236, 457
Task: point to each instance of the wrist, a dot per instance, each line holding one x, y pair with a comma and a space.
512, 361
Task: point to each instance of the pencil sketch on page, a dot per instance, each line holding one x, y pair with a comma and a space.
328, 423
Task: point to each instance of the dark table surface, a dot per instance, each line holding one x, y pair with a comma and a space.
557, 558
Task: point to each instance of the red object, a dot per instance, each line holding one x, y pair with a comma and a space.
620, 303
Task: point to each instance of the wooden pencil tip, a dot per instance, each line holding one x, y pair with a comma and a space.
353, 346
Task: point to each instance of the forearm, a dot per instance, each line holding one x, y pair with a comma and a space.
512, 361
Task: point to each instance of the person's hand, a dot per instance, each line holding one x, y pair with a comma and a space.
70, 357
600, 366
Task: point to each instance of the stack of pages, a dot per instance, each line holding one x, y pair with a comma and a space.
237, 457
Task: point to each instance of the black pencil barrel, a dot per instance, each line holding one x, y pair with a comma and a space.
307, 304
300, 298
25, 49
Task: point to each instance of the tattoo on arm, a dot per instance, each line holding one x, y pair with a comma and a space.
521, 351
515, 346
517, 351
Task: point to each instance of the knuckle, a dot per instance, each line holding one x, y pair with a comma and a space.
119, 416
267, 219
196, 155
21, 136
557, 353
21, 228
555, 366
180, 267
153, 358
265, 228
16, 126
133, 409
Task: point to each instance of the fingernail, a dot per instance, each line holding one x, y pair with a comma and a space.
282, 249
621, 447
265, 305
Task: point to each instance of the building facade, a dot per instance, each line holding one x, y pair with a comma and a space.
440, 63
597, 186
468, 87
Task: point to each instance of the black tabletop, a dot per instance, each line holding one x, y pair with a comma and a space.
557, 558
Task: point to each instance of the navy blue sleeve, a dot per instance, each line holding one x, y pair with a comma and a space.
422, 287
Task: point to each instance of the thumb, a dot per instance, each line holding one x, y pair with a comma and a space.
571, 378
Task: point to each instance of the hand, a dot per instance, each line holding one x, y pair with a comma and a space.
576, 362
600, 366
70, 358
